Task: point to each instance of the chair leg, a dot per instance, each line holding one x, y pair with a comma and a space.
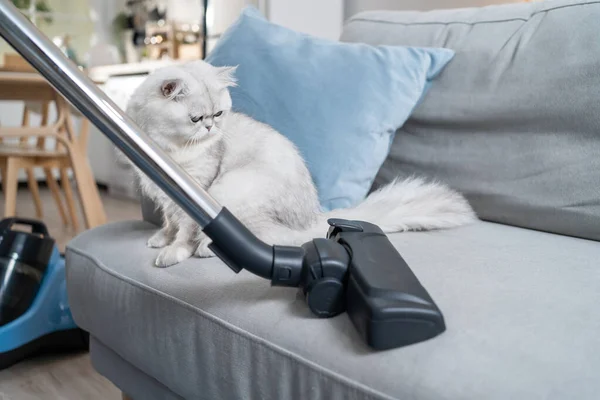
35, 192
66, 185
55, 190
25, 122
3, 167
11, 173
89, 197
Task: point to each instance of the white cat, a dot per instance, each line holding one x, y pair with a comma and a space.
255, 172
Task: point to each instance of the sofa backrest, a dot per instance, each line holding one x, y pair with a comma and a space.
514, 119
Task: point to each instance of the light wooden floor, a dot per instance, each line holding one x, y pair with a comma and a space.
56, 378
66, 377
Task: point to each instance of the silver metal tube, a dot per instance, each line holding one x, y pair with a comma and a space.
80, 91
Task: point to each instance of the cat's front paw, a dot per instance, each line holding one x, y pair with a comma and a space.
172, 255
158, 240
203, 251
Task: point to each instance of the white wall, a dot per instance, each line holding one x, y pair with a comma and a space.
221, 14
184, 10
322, 18
354, 6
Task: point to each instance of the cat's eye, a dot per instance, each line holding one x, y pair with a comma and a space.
196, 119
219, 114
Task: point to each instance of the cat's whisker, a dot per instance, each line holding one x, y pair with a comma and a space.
187, 143
224, 134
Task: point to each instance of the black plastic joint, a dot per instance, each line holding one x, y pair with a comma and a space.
287, 266
239, 248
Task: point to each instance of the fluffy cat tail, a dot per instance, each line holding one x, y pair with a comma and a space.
410, 205
402, 205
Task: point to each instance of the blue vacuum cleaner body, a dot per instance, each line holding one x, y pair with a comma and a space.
35, 316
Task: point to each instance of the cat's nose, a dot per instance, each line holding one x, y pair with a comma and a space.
208, 127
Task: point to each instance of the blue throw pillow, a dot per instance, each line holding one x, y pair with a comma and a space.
339, 103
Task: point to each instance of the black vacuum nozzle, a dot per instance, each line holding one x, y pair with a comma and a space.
384, 299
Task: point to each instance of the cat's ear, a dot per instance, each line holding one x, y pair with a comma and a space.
172, 88
226, 76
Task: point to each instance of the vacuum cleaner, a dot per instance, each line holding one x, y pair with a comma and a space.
354, 269
34, 310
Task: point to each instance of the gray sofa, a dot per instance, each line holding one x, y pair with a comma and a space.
514, 123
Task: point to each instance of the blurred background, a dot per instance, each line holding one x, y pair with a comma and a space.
154, 29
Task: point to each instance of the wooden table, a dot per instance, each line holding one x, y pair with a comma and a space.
30, 86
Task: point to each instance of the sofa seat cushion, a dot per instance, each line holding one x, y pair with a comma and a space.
520, 308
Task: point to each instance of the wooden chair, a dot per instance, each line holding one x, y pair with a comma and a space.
28, 156
20, 82
69, 153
